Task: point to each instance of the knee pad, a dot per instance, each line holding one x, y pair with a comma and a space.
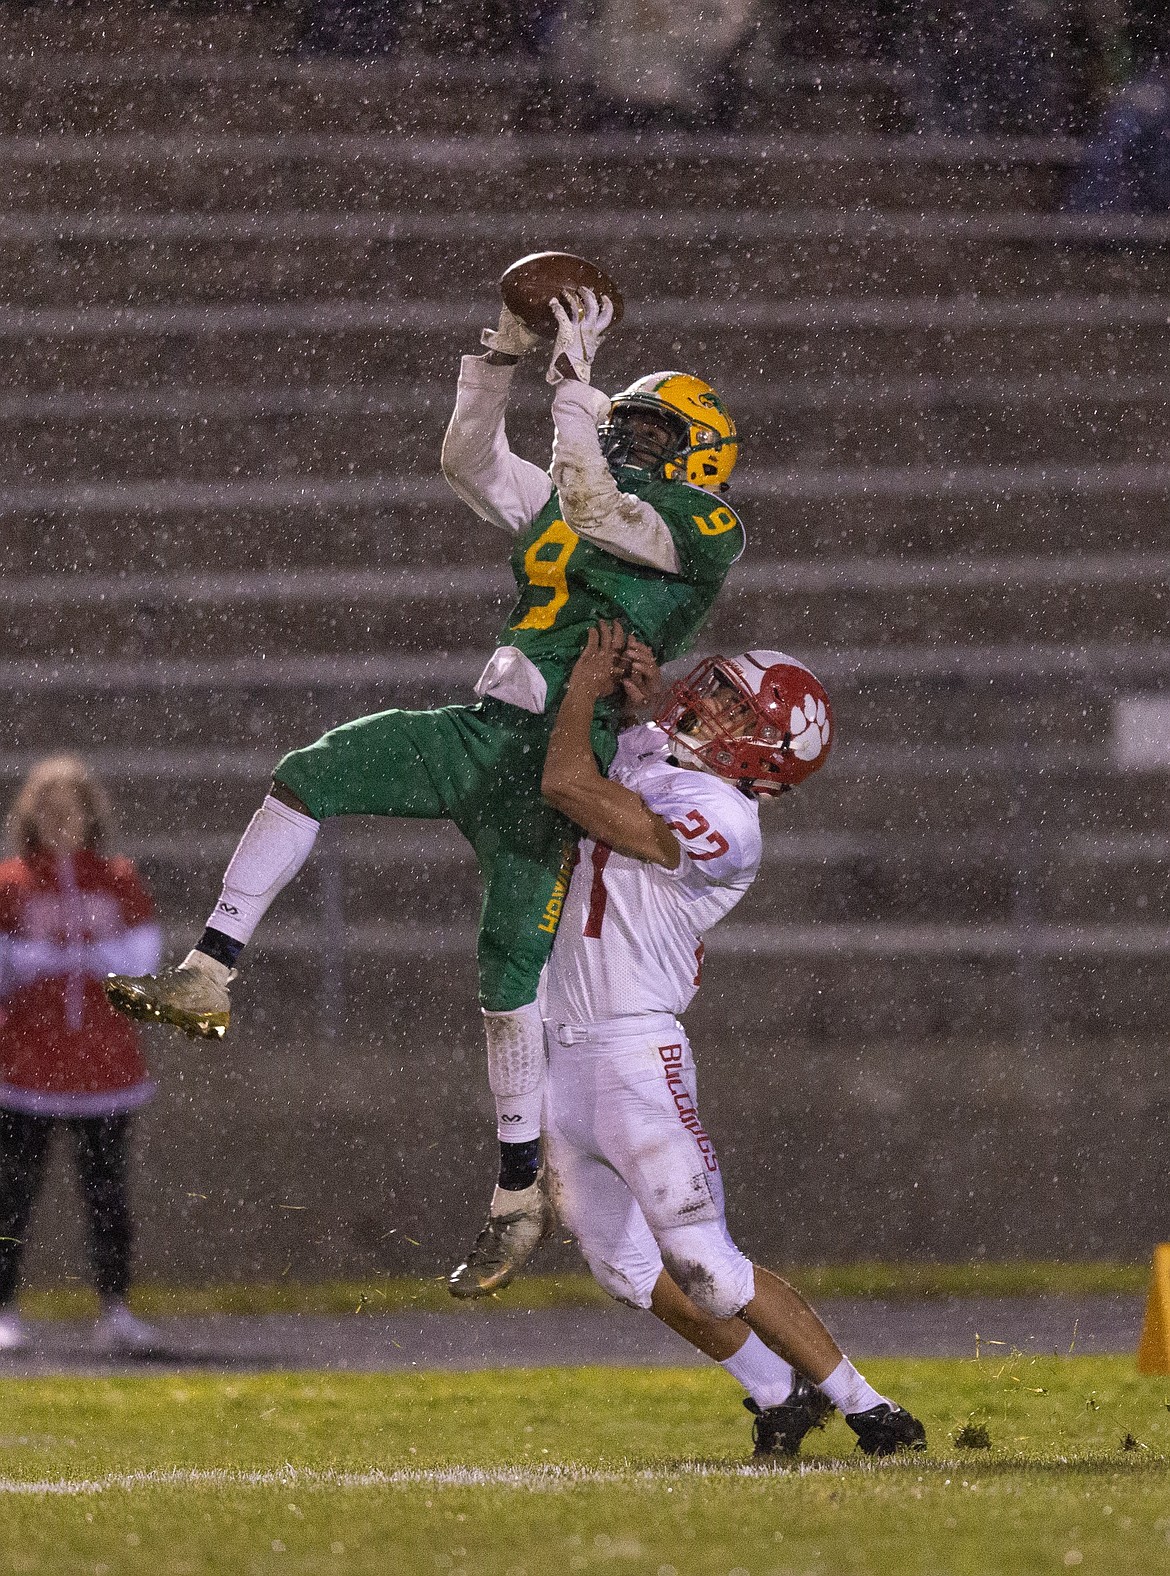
624, 1284
515, 1051
708, 1266
275, 845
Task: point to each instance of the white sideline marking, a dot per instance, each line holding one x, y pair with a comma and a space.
531, 1479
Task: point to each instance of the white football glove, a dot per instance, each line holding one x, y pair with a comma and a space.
510, 336
578, 334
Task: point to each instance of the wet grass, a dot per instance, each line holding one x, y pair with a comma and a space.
404, 1293
579, 1470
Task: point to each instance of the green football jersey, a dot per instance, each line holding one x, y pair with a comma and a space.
567, 584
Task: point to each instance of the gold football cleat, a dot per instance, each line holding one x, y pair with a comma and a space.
516, 1225
188, 996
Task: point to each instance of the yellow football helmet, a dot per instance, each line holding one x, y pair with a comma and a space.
696, 441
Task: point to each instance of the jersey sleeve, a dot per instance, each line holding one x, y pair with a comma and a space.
477, 461
717, 829
708, 534
591, 501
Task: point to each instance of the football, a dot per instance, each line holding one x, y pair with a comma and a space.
530, 283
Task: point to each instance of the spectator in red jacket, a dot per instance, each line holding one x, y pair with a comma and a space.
69, 915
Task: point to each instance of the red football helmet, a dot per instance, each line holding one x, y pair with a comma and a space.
762, 720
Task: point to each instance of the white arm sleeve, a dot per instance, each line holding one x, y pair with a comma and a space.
591, 501
502, 488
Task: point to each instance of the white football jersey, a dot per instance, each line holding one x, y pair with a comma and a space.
630, 937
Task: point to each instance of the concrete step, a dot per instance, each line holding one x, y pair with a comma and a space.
856, 982
417, 94
302, 522
56, 432
96, 95
972, 881
139, 176
68, 39
297, 256
835, 1006
171, 733
379, 869
98, 347
319, 527
50, 359
195, 742
1009, 842
346, 438
1041, 606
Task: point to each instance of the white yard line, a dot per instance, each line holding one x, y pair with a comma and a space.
547, 1479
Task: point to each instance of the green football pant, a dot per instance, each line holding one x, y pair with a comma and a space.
478, 766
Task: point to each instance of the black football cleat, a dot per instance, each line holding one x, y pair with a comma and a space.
779, 1430
885, 1429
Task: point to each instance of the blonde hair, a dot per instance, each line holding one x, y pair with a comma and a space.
58, 771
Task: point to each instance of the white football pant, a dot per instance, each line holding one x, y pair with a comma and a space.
630, 1169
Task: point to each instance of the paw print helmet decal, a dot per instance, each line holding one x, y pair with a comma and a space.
762, 720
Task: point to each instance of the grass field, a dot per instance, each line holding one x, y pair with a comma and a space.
578, 1470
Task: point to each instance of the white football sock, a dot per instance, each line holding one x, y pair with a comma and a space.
211, 968
515, 1057
506, 1200
275, 844
768, 1379
849, 1392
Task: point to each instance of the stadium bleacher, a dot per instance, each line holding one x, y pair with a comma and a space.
237, 287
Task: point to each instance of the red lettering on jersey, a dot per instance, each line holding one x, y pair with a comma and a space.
719, 845
700, 824
598, 896
672, 1066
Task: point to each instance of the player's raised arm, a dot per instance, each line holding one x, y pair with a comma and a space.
592, 503
572, 782
477, 460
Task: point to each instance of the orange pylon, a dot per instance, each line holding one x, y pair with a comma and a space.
1154, 1347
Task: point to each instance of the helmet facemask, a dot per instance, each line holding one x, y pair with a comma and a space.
644, 435
750, 724
702, 447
